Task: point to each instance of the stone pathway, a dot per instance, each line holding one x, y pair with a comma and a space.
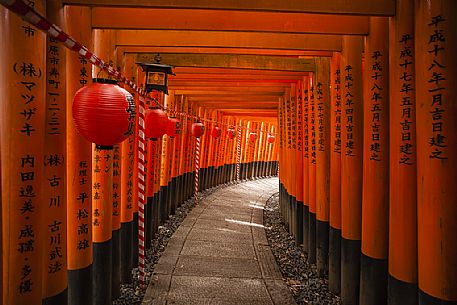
220, 255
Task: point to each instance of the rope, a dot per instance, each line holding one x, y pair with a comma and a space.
141, 190
238, 154
197, 167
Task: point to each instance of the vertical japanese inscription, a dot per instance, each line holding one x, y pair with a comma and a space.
337, 88
436, 88
349, 102
376, 107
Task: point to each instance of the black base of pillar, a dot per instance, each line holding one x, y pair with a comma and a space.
322, 234
334, 265
80, 286
102, 273
373, 281
350, 271
163, 200
58, 299
116, 267
126, 252
306, 228
148, 222
299, 224
402, 293
135, 240
312, 239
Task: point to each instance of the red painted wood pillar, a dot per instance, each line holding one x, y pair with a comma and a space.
79, 168
375, 208
436, 90
312, 170
334, 281
322, 110
402, 281
351, 168
305, 164
22, 133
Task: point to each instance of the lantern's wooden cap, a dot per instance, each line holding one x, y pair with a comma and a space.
156, 67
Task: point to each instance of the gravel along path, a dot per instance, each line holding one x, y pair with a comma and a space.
130, 293
300, 276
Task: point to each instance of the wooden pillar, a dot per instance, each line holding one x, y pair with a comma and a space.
436, 89
164, 164
375, 193
23, 134
127, 166
312, 171
79, 168
55, 214
334, 274
322, 110
351, 168
306, 155
402, 281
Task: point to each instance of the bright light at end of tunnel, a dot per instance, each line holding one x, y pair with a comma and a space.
245, 223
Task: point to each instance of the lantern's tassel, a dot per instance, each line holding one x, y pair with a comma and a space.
238, 154
197, 166
141, 190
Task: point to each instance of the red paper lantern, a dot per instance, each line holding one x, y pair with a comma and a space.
174, 127
271, 139
231, 133
252, 136
216, 132
104, 113
198, 129
156, 123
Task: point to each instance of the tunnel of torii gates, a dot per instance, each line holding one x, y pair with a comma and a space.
329, 90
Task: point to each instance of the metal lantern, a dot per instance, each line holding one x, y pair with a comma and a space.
173, 127
231, 133
216, 132
271, 138
198, 129
156, 75
156, 123
252, 136
104, 113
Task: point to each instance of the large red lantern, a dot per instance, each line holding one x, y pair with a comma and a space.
198, 129
231, 133
174, 127
104, 113
156, 123
252, 136
216, 132
271, 138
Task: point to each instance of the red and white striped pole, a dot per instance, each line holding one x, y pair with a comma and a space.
197, 166
238, 154
141, 190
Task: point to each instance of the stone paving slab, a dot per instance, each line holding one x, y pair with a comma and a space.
220, 254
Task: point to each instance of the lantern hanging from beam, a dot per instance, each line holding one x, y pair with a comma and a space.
198, 129
173, 127
156, 123
231, 133
104, 113
252, 136
271, 138
216, 132
156, 75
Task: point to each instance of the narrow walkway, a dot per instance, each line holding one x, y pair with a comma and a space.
220, 254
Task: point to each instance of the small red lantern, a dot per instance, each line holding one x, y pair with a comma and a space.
216, 132
156, 123
174, 127
271, 138
104, 113
231, 133
198, 129
252, 136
